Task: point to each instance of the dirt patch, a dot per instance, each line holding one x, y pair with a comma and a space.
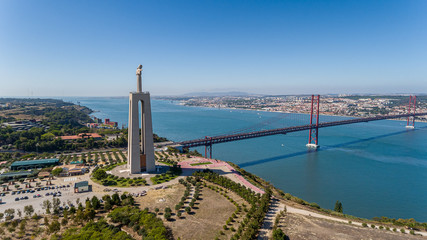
161, 198
206, 221
298, 227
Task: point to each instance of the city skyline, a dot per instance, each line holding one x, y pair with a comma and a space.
292, 47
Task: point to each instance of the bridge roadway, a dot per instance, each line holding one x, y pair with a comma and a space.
241, 136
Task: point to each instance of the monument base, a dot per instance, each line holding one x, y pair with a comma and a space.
143, 162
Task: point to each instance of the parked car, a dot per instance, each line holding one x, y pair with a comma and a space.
16, 199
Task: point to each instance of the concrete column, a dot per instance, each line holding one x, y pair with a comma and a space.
145, 145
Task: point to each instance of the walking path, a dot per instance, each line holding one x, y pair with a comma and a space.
317, 215
266, 230
228, 170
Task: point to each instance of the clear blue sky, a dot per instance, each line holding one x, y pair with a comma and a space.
92, 48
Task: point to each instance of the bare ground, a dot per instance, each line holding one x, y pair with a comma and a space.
206, 220
299, 227
161, 198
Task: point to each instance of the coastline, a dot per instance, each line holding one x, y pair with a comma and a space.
292, 204
262, 110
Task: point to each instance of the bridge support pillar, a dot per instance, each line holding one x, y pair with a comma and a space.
208, 147
411, 110
314, 130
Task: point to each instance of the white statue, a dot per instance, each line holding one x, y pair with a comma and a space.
139, 78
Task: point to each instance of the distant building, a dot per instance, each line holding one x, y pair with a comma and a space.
92, 125
97, 120
25, 125
95, 136
112, 137
43, 174
72, 170
80, 187
14, 175
32, 164
112, 124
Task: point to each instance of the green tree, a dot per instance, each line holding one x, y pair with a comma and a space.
56, 203
47, 205
29, 210
54, 227
278, 234
116, 199
96, 204
338, 207
22, 226
10, 213
99, 174
57, 171
107, 206
167, 215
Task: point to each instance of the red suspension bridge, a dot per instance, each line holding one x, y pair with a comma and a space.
313, 127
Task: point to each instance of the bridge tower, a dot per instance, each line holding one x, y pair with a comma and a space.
208, 147
411, 108
314, 130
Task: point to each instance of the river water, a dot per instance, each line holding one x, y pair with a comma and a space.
374, 169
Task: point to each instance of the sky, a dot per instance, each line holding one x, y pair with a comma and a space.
92, 48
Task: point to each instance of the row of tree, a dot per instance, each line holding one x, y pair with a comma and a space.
253, 220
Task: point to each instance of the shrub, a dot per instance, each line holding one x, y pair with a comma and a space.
167, 215
364, 225
188, 209
314, 205
372, 226
402, 230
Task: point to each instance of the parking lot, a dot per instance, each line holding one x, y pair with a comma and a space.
62, 188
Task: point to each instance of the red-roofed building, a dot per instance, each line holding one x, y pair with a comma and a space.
113, 124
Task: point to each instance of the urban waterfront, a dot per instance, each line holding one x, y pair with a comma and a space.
374, 169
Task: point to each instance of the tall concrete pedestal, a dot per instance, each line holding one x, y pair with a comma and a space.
140, 147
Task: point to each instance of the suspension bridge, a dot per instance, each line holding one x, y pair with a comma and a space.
313, 127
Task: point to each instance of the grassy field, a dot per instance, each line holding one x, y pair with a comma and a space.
163, 178
202, 163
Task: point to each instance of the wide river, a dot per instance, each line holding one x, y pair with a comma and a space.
374, 169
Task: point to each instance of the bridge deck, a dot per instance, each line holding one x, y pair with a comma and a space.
262, 133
